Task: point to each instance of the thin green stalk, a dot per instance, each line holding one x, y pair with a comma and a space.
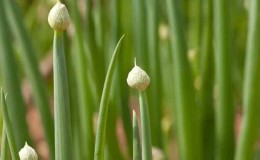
223, 61
76, 129
103, 111
195, 32
187, 111
122, 92
31, 68
155, 71
251, 92
145, 127
139, 32
63, 139
4, 145
206, 90
137, 153
86, 107
98, 52
112, 140
9, 128
94, 54
11, 82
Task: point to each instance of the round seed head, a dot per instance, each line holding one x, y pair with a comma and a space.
59, 18
138, 78
28, 153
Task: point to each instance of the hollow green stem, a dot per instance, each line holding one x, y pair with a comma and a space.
251, 92
223, 61
145, 127
206, 90
187, 112
85, 99
137, 154
11, 82
28, 57
112, 142
122, 89
63, 139
102, 119
4, 145
155, 93
8, 127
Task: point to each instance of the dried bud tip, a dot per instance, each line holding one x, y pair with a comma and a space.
138, 78
59, 18
28, 153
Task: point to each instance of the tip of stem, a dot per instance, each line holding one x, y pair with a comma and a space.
134, 114
135, 61
3, 94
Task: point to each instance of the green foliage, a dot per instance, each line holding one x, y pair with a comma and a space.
201, 57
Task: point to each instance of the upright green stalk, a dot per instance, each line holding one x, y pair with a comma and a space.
187, 113
76, 129
4, 145
251, 92
28, 57
225, 107
137, 154
206, 90
59, 20
155, 71
112, 140
11, 82
102, 119
9, 128
95, 55
86, 108
139, 79
145, 126
139, 32
98, 52
195, 32
122, 89
63, 141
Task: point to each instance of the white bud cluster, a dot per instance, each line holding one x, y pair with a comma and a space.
59, 18
28, 153
138, 78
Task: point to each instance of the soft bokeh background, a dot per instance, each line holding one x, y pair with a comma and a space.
111, 20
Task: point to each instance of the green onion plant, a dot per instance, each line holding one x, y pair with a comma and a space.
203, 64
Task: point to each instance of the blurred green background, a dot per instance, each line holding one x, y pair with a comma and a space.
96, 26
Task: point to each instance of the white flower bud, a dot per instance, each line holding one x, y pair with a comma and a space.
138, 78
27, 153
59, 18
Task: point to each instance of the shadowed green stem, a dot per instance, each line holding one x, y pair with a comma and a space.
4, 145
225, 108
9, 128
123, 91
139, 32
206, 90
11, 82
155, 91
187, 112
28, 57
85, 99
251, 92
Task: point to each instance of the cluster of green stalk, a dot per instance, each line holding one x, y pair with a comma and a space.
201, 97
